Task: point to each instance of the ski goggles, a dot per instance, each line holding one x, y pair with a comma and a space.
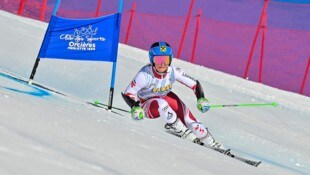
161, 59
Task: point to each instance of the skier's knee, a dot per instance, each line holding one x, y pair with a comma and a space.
198, 129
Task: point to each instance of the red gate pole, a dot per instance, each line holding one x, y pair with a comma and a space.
43, 9
98, 8
255, 38
21, 7
185, 28
132, 12
305, 77
196, 35
264, 25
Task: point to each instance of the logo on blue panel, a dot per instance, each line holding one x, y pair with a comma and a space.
83, 38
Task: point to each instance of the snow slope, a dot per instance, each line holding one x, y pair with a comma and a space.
45, 133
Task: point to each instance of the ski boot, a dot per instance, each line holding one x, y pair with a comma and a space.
180, 130
209, 141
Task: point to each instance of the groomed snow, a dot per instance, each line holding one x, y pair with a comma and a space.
45, 133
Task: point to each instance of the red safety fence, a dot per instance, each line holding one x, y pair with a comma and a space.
262, 40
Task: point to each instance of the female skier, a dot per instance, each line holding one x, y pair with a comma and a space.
149, 95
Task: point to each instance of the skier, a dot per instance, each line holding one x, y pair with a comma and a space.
149, 95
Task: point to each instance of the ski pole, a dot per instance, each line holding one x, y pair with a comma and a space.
244, 105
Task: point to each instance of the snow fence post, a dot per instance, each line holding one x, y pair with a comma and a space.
132, 12
305, 77
196, 35
254, 40
185, 28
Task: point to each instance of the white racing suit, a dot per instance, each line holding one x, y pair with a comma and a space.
153, 91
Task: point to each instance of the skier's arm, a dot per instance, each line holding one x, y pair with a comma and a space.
190, 82
202, 103
130, 102
198, 90
133, 88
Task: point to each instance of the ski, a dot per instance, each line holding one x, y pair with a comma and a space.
247, 161
228, 153
225, 152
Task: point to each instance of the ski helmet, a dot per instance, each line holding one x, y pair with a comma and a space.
160, 49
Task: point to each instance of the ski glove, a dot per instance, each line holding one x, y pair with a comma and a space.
137, 113
203, 105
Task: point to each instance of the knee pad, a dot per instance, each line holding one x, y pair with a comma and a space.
198, 129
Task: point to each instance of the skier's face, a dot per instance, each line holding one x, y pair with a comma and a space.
161, 68
161, 63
